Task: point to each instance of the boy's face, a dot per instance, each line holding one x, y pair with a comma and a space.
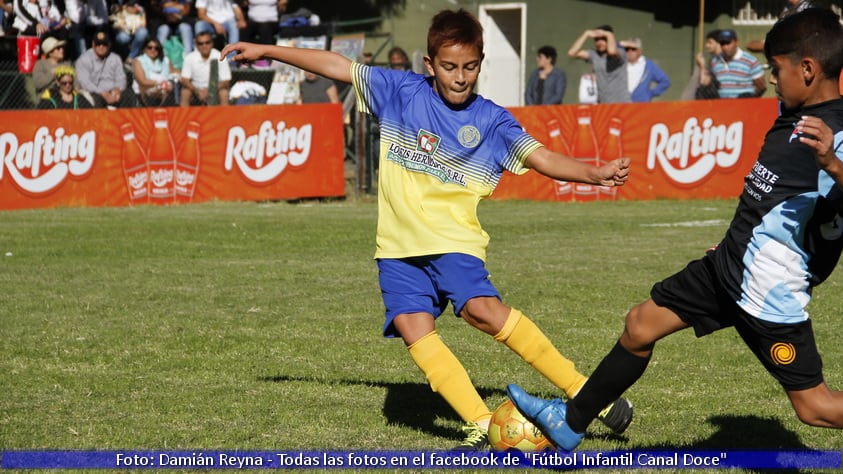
455, 69
788, 79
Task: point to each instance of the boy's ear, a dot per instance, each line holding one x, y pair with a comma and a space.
428, 63
810, 70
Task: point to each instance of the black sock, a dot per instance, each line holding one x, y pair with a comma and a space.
616, 373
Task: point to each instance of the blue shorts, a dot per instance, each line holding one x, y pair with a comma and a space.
426, 285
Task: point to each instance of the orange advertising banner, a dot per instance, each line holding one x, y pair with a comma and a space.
679, 150
58, 158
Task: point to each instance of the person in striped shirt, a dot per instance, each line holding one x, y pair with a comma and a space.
738, 73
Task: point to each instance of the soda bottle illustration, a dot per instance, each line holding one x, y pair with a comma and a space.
135, 166
556, 142
584, 148
187, 165
162, 160
611, 150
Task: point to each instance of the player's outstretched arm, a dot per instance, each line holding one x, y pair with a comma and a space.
325, 63
817, 135
557, 166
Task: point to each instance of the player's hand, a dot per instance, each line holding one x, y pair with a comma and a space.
246, 52
615, 172
813, 132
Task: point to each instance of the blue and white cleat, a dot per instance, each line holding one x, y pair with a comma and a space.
547, 415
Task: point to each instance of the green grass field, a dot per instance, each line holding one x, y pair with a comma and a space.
256, 326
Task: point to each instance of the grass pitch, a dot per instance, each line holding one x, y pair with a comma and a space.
256, 326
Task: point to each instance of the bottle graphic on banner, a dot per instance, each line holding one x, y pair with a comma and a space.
556, 142
135, 166
162, 160
187, 165
584, 148
611, 150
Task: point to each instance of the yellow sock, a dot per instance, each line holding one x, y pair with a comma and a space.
529, 342
447, 377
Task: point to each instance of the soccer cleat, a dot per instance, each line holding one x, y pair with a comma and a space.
547, 415
476, 438
617, 416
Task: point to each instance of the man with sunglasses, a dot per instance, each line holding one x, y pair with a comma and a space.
196, 74
100, 72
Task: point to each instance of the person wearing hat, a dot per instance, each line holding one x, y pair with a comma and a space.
100, 72
738, 73
645, 78
63, 94
52, 56
608, 59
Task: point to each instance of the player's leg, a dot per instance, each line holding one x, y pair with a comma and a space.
515, 330
818, 406
646, 323
565, 424
789, 353
412, 304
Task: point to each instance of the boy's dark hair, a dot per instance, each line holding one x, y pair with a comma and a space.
550, 52
450, 27
813, 32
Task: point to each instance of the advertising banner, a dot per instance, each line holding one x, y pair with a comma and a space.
95, 158
679, 150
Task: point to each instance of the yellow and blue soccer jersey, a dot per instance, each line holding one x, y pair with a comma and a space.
437, 162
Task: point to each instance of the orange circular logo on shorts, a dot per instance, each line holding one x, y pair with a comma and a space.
783, 353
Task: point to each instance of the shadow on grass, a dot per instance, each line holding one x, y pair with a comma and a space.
415, 405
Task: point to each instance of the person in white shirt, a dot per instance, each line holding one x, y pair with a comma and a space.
196, 73
220, 18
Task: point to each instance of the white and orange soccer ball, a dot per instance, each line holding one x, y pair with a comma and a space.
508, 429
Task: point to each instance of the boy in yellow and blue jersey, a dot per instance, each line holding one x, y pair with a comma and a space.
443, 149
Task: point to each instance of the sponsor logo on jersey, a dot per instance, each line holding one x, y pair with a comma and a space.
427, 142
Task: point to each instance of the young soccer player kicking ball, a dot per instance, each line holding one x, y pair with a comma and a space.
784, 240
443, 148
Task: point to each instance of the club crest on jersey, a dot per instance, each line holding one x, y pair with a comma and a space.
469, 136
783, 353
427, 142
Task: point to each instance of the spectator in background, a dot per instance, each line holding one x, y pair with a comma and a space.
645, 78
547, 83
317, 89
398, 59
152, 72
88, 19
738, 73
29, 19
7, 9
261, 21
130, 31
63, 94
52, 56
695, 89
173, 17
196, 80
100, 72
220, 18
608, 60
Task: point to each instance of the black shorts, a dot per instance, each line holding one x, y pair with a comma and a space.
787, 351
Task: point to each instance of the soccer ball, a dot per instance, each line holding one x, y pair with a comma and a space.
508, 429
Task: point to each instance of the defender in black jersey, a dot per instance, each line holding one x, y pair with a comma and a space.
784, 239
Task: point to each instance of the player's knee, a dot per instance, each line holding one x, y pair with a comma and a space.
636, 335
817, 411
